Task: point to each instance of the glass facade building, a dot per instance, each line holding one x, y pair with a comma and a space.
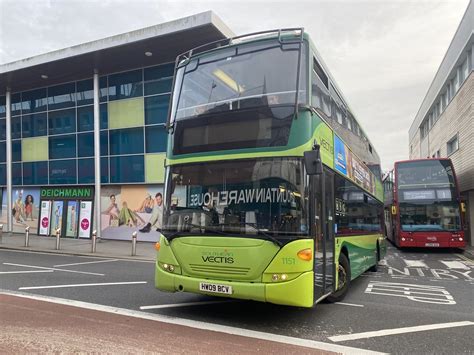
52, 123
52, 130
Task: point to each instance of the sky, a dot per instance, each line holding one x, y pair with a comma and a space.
383, 54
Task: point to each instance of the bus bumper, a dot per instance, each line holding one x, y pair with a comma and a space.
296, 292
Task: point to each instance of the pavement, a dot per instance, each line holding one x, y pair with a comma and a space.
93, 331
104, 247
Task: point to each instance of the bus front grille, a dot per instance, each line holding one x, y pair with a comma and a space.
219, 269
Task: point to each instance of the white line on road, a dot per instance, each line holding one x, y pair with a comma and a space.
415, 263
384, 332
24, 272
88, 262
349, 304
455, 265
172, 305
83, 285
54, 269
199, 325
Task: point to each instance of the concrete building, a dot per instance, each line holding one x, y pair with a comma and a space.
83, 129
444, 124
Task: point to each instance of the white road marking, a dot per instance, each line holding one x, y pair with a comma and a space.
24, 272
63, 254
83, 285
54, 269
418, 293
385, 332
415, 263
172, 305
455, 265
199, 324
88, 262
349, 304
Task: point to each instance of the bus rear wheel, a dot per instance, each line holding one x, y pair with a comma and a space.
344, 279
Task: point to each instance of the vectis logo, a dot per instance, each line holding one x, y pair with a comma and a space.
218, 257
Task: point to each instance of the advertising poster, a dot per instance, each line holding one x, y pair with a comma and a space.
72, 217
45, 218
126, 209
85, 221
25, 209
56, 216
340, 162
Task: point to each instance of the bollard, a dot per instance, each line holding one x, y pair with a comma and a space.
27, 236
134, 243
1, 233
58, 238
94, 240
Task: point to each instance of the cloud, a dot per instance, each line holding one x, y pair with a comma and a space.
383, 54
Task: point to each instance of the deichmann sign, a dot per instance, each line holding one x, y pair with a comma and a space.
67, 193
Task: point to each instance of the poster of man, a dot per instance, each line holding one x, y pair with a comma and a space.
131, 209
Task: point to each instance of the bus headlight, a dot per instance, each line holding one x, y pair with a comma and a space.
168, 267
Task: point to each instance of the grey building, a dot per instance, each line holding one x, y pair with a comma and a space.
444, 124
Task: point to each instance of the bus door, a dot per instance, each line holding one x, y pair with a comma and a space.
322, 207
329, 228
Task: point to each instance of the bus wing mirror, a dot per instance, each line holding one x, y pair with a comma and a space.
394, 210
312, 162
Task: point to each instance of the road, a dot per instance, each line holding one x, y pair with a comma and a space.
417, 302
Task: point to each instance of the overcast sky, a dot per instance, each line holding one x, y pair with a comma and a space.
382, 53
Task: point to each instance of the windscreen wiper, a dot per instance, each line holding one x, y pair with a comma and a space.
207, 230
259, 231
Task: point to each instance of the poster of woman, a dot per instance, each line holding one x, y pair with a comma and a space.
56, 216
25, 209
72, 215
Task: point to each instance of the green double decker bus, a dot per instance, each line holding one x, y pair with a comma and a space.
273, 191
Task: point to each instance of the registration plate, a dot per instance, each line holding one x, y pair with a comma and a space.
215, 288
431, 244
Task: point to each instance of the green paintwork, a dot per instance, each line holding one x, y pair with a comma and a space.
325, 138
126, 113
297, 292
362, 251
34, 149
224, 258
287, 261
155, 168
254, 253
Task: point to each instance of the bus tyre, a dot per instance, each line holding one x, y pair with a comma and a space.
344, 279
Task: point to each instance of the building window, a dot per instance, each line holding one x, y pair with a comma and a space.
35, 173
452, 145
125, 85
3, 106
159, 79
16, 150
156, 109
85, 145
156, 138
34, 101
34, 125
62, 147
63, 121
61, 96
127, 169
62, 172
126, 141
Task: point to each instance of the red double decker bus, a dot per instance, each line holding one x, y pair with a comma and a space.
423, 206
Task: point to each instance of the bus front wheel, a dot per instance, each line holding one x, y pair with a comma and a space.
344, 279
